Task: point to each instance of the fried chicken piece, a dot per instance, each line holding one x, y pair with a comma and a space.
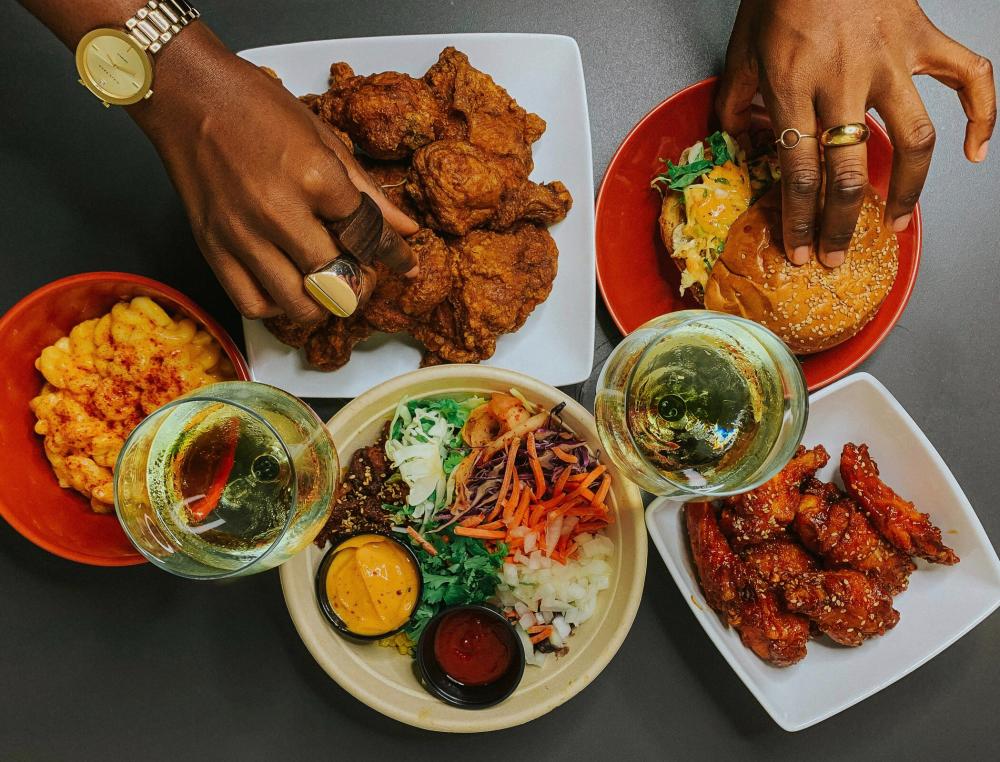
542, 204
845, 604
390, 177
477, 108
765, 512
330, 347
398, 302
831, 526
460, 186
388, 115
499, 278
897, 519
293, 334
776, 636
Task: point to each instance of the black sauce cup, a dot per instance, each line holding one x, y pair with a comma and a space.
436, 680
324, 602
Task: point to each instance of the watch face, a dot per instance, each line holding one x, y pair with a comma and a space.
113, 66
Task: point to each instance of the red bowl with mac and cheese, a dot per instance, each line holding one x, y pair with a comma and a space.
31, 500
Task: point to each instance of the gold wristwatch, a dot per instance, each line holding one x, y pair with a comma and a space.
116, 64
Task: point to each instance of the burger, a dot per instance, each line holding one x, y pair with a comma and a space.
721, 224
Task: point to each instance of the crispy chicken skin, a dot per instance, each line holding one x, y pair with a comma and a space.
330, 347
460, 186
845, 604
830, 524
390, 177
897, 519
478, 109
498, 279
291, 333
776, 636
398, 303
765, 512
388, 115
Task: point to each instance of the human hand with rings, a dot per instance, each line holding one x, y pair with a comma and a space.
820, 67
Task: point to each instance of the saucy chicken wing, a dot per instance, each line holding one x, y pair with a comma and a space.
831, 526
897, 519
775, 635
845, 604
387, 115
765, 512
775, 561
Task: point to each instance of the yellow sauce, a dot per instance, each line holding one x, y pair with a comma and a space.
372, 584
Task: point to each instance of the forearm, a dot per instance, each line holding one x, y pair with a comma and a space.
184, 67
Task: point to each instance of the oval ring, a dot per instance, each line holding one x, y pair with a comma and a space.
790, 138
852, 134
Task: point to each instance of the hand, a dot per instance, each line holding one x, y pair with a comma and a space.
258, 173
819, 65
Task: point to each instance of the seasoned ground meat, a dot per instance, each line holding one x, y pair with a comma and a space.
367, 485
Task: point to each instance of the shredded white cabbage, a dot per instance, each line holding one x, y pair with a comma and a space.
419, 451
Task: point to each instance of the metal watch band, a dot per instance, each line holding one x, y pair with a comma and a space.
157, 23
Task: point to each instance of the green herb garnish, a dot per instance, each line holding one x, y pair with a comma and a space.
463, 571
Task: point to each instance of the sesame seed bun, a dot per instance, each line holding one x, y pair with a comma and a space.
810, 307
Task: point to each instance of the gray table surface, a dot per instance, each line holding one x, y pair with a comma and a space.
132, 663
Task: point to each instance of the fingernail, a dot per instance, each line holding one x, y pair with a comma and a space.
833, 258
800, 255
983, 150
902, 223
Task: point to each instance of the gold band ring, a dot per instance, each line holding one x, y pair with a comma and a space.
790, 138
853, 134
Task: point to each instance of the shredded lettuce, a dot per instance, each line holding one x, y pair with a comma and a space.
694, 163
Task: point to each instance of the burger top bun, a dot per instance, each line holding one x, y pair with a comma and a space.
811, 307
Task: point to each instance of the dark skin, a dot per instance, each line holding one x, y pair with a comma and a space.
257, 206
818, 65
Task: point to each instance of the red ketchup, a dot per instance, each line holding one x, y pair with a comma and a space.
472, 648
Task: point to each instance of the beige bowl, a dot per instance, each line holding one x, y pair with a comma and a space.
385, 680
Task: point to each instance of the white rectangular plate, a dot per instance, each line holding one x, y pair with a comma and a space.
545, 75
940, 606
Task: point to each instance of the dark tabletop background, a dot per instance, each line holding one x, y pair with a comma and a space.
132, 663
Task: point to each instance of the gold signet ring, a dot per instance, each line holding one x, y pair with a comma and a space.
852, 134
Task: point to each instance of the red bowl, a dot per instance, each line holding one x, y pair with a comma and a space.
31, 500
637, 278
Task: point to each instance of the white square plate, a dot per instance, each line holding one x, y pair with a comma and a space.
545, 75
941, 604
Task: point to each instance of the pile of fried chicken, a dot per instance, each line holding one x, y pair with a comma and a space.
797, 557
452, 150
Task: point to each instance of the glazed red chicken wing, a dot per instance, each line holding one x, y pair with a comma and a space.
897, 519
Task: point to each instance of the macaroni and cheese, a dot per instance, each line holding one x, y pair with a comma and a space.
105, 377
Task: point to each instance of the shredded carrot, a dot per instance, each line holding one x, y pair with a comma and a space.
590, 479
522, 509
492, 525
482, 534
508, 472
536, 628
536, 515
423, 542
536, 467
602, 491
472, 521
543, 635
560, 484
564, 456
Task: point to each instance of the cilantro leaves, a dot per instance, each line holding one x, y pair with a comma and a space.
463, 571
